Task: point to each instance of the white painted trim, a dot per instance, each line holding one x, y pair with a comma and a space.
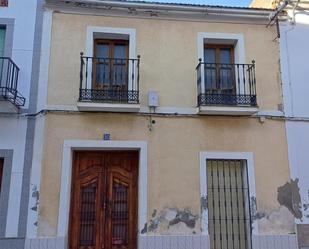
44, 59
169, 110
248, 156
35, 180
91, 30
65, 190
107, 107
237, 39
202, 37
227, 110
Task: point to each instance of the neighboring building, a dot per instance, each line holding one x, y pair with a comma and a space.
19, 61
268, 4
294, 37
181, 147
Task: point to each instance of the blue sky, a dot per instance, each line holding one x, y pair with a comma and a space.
242, 3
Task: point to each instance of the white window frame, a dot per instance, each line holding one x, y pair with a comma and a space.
96, 145
248, 156
221, 38
130, 32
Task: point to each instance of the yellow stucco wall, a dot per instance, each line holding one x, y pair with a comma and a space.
168, 50
269, 4
173, 159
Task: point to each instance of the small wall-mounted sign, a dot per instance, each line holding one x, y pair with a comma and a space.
106, 136
4, 3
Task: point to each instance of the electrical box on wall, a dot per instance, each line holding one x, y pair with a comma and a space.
153, 99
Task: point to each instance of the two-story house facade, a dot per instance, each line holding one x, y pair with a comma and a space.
20, 33
159, 127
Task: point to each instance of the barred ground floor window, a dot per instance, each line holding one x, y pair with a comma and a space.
229, 221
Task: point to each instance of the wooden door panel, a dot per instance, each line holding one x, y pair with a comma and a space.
104, 200
87, 209
122, 215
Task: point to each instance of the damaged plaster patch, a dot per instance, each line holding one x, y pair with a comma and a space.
204, 202
288, 196
144, 230
36, 196
279, 221
186, 217
255, 214
276, 221
171, 220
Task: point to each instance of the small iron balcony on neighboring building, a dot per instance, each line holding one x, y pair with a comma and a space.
222, 84
10, 98
109, 80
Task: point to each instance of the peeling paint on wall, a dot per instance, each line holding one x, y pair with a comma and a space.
35, 201
255, 214
278, 221
171, 220
288, 196
204, 202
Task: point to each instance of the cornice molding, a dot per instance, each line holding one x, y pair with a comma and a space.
155, 10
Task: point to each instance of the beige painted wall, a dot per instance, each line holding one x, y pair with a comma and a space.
173, 159
269, 4
169, 56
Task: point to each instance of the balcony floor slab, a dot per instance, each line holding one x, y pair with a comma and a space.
7, 107
107, 107
227, 110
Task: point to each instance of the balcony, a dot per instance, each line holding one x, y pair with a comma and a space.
227, 89
109, 84
10, 99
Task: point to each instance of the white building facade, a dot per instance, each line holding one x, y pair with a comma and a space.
20, 38
294, 52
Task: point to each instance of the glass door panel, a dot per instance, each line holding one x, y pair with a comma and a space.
120, 65
102, 65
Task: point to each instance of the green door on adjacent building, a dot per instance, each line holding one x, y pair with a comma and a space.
2, 39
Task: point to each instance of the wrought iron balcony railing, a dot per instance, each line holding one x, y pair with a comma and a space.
226, 84
109, 80
8, 82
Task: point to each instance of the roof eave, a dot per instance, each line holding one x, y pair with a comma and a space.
234, 11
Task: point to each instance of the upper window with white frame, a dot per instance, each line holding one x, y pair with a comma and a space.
110, 74
223, 78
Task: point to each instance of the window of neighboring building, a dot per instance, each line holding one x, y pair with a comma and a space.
111, 64
4, 3
229, 223
1, 172
219, 69
2, 40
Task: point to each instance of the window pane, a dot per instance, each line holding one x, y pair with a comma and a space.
1, 172
225, 55
120, 64
120, 51
209, 55
102, 50
2, 41
102, 64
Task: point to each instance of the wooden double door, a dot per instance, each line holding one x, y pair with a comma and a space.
103, 211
